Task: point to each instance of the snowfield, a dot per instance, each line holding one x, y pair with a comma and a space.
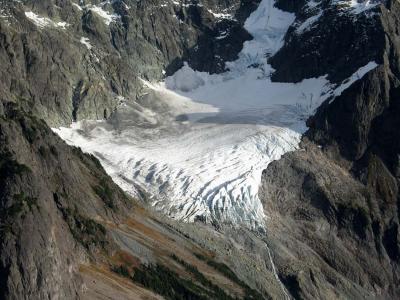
197, 143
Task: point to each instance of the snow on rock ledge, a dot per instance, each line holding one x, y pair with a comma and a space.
185, 79
358, 6
43, 22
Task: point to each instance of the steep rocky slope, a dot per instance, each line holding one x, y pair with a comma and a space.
69, 60
333, 236
49, 197
67, 231
339, 202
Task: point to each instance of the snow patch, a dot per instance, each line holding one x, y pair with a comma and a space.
184, 79
126, 6
222, 35
62, 25
307, 24
43, 22
312, 4
221, 15
85, 41
105, 15
353, 78
77, 6
38, 21
353, 7
358, 6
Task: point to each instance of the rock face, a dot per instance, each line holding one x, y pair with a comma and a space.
65, 60
63, 223
338, 203
327, 39
332, 235
48, 198
67, 231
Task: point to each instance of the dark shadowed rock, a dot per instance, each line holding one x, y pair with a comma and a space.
333, 236
49, 197
335, 202
81, 69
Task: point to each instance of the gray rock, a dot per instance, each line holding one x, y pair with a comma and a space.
331, 235
51, 73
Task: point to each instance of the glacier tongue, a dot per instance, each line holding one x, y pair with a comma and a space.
199, 142
207, 170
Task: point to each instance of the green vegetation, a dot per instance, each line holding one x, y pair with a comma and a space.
105, 189
30, 132
86, 158
31, 126
228, 273
171, 286
168, 284
105, 193
84, 230
222, 268
95, 161
121, 270
165, 282
20, 201
89, 232
46, 152
364, 215
78, 152
10, 167
215, 292
20, 205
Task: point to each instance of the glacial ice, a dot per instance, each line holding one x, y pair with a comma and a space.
197, 143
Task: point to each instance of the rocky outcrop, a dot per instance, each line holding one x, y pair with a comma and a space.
332, 235
366, 108
335, 202
50, 195
64, 225
326, 39
66, 61
67, 231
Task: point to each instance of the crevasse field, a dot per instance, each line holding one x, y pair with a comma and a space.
197, 143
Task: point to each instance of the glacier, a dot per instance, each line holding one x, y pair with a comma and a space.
197, 143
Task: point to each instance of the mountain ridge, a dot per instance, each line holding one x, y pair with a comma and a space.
68, 231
